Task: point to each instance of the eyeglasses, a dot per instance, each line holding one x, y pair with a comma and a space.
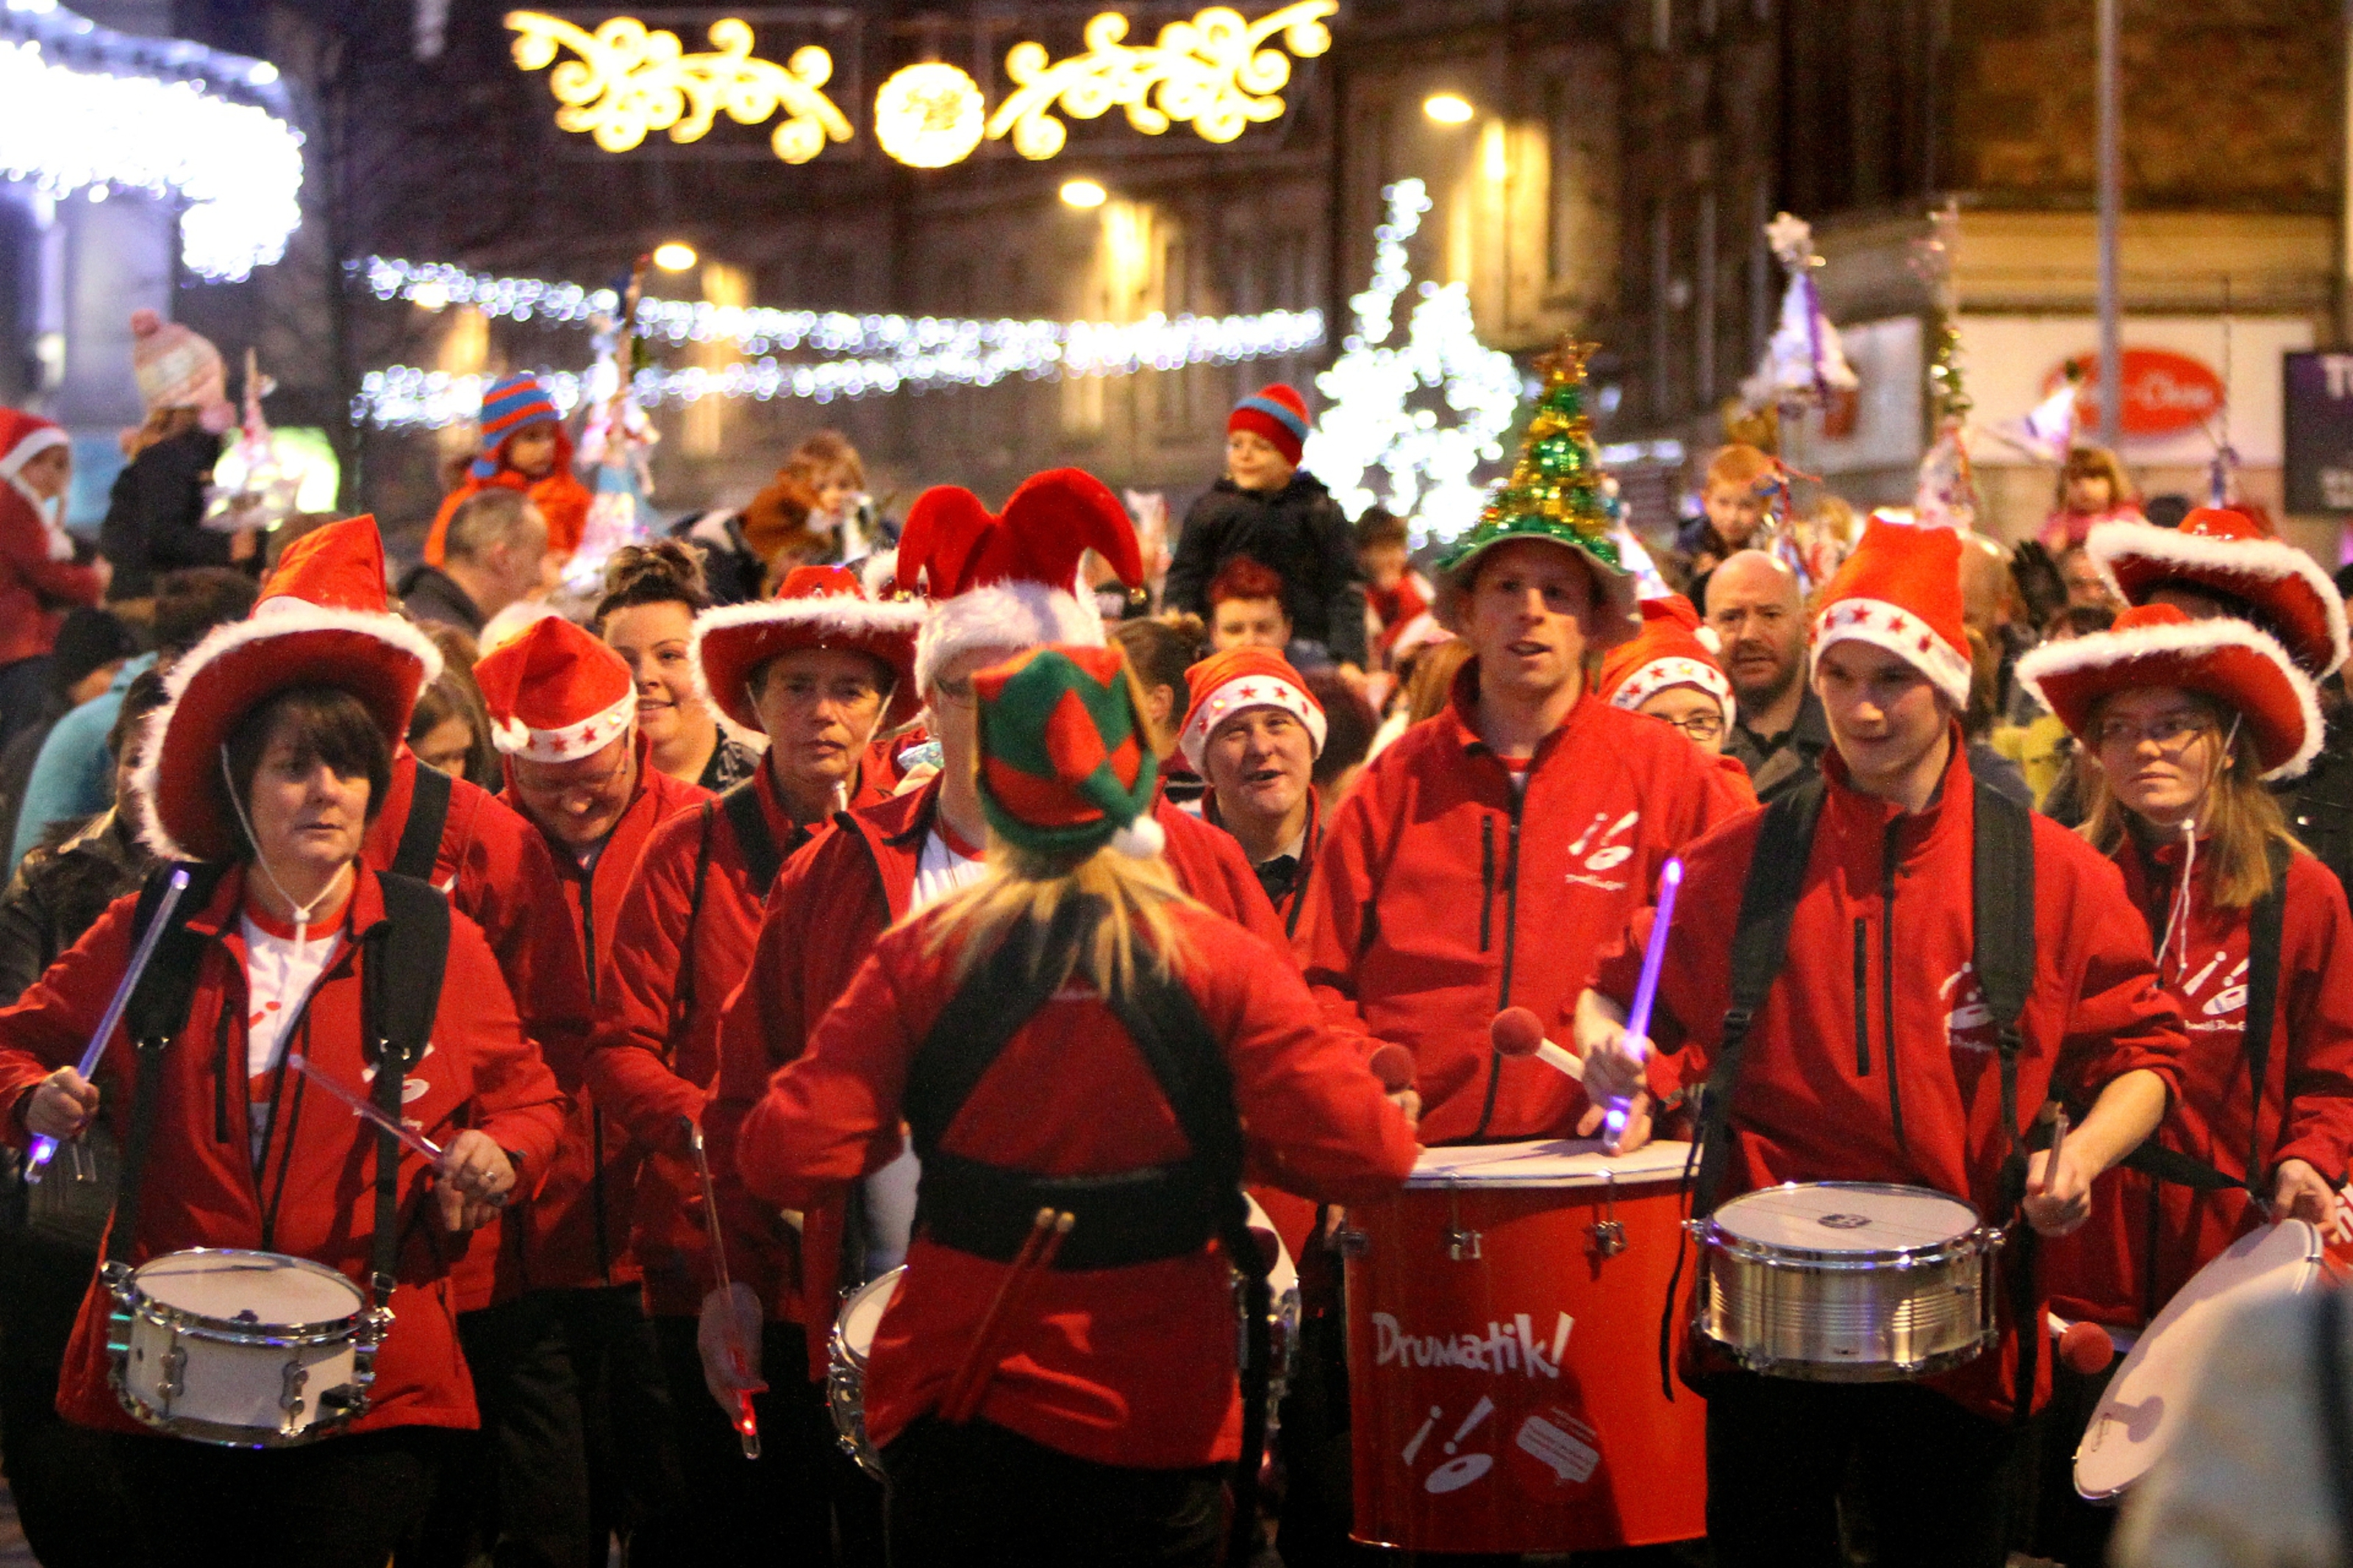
569, 790
1700, 727
2172, 733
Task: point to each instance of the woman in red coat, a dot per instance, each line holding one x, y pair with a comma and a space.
1070, 1035
40, 578
271, 757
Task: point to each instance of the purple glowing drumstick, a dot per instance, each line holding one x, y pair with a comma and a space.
1646, 989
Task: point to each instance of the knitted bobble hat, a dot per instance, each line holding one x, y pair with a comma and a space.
1065, 767
1278, 414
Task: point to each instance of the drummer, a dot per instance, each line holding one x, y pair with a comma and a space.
1037, 1029
267, 766
1253, 730
2183, 723
1860, 1068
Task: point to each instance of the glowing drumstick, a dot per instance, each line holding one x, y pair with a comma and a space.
1646, 988
365, 1108
747, 1420
45, 1147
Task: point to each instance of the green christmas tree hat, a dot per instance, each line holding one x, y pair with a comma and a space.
1558, 492
1065, 766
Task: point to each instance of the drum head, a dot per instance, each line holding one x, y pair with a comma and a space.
1846, 1218
1547, 1163
862, 1313
2135, 1420
230, 1286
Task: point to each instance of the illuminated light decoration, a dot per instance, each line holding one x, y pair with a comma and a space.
1083, 194
675, 256
929, 116
1448, 107
1370, 431
149, 115
629, 79
1210, 71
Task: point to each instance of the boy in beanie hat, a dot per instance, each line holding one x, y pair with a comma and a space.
1832, 1060
525, 448
1268, 509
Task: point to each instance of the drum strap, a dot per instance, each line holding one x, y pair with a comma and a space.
2002, 872
428, 817
2329, 1389
156, 1013
761, 853
682, 995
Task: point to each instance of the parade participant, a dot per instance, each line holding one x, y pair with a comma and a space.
1246, 608
820, 669
271, 752
1159, 649
2183, 721
572, 1355
1855, 1068
1042, 1031
1668, 672
524, 448
1254, 732
1758, 615
652, 593
39, 575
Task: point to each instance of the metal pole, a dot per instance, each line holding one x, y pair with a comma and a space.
2111, 210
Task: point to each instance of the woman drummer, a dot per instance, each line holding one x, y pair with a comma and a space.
266, 764
1066, 1393
2183, 722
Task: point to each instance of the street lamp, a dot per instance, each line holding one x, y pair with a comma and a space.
1083, 194
1448, 107
675, 256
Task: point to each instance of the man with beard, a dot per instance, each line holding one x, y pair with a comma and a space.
1755, 607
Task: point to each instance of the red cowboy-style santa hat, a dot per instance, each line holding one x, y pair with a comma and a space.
1237, 680
556, 693
1674, 648
2240, 666
322, 620
2220, 551
1009, 580
815, 606
1901, 591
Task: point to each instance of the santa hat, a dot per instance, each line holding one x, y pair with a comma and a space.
2219, 551
322, 620
23, 437
1277, 413
176, 368
511, 404
1901, 591
815, 606
2237, 665
1672, 649
1065, 766
1235, 681
1009, 580
556, 694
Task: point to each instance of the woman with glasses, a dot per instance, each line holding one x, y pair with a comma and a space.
2182, 724
1669, 671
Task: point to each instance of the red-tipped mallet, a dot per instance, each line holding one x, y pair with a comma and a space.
2083, 1347
1518, 1032
1393, 1065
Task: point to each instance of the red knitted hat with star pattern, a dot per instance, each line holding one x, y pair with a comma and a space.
1901, 591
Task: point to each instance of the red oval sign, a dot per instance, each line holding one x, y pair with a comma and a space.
2165, 391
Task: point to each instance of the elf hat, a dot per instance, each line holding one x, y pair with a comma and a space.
556, 693
2237, 665
815, 606
1901, 591
1672, 649
511, 404
176, 368
1277, 413
1065, 766
1228, 684
2219, 551
23, 437
322, 620
1009, 580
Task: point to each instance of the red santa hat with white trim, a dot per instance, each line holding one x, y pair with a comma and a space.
1901, 591
815, 606
2222, 553
323, 619
1233, 682
556, 693
1674, 648
23, 437
1009, 580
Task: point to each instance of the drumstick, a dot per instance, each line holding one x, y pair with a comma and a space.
1047, 1230
366, 1110
1646, 988
747, 1420
1518, 1032
44, 1147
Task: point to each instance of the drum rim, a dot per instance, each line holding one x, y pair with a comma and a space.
325, 1330
1977, 1239
1797, 1369
1600, 1180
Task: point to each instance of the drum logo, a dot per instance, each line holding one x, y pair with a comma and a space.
1844, 1221
1505, 1347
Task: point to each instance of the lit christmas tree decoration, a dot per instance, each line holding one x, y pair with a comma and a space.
1558, 489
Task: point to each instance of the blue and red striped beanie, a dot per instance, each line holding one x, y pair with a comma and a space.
510, 403
1277, 413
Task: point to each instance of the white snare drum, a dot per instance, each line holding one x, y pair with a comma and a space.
250, 1350
2134, 1421
845, 1373
1847, 1282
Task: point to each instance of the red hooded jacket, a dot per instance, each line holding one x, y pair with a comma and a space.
34, 589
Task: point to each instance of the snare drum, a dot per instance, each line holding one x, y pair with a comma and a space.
250, 1350
1504, 1355
1847, 1282
845, 1375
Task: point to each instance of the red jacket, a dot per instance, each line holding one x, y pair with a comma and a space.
1814, 1103
2108, 1271
34, 589
1443, 895
678, 952
576, 1232
561, 499
1131, 1365
200, 1189
831, 903
1291, 910
497, 872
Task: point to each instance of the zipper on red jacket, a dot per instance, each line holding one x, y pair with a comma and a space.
1486, 877
1887, 974
1862, 997
1511, 932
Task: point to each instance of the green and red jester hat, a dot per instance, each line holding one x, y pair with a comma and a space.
1065, 765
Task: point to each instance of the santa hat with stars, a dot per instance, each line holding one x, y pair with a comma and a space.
1229, 683
556, 694
1901, 591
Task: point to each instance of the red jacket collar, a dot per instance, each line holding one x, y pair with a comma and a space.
220, 912
1857, 809
1462, 714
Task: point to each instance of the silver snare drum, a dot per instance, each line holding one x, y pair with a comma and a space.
851, 1342
1846, 1281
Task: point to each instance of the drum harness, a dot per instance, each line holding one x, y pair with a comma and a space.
2003, 953
1134, 1216
403, 960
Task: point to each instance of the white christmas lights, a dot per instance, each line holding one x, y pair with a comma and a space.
237, 167
1369, 428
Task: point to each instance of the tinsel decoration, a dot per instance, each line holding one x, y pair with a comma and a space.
1946, 495
1804, 362
254, 486
1558, 489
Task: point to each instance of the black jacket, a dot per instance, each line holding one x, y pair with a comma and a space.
430, 594
59, 891
1778, 765
155, 515
1299, 533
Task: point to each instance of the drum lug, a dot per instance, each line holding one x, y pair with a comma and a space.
1606, 1237
290, 1384
175, 1379
1461, 1245
1352, 1242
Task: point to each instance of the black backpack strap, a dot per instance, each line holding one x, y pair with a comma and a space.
2330, 1390
156, 1013
428, 817
682, 996
2002, 895
741, 805
404, 961
2264, 922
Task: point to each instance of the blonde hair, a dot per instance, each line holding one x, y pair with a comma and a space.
2242, 818
1025, 887
2097, 463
